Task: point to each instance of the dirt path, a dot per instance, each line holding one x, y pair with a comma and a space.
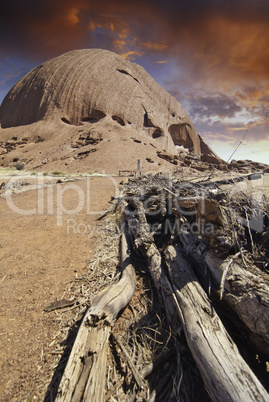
40, 253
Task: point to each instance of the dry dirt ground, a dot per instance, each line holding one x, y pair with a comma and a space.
47, 239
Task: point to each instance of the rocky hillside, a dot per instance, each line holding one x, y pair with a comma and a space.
92, 110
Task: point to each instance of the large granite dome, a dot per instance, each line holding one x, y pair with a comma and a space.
89, 84
95, 100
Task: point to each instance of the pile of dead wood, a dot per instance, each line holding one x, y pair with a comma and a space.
206, 251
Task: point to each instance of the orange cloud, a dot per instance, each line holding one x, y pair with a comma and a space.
119, 43
233, 48
154, 46
72, 16
131, 54
228, 39
124, 33
233, 129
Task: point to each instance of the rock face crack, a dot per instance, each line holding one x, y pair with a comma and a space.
127, 73
148, 123
147, 120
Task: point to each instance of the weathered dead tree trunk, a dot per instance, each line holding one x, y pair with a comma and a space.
145, 242
245, 291
226, 375
85, 373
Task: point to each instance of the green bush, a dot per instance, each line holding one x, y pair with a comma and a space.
19, 166
57, 173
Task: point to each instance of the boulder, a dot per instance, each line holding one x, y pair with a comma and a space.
211, 158
223, 167
168, 157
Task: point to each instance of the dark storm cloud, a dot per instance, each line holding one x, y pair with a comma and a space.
229, 37
11, 70
219, 105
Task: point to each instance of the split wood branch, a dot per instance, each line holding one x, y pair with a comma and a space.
139, 380
226, 375
145, 243
221, 288
246, 291
84, 375
249, 231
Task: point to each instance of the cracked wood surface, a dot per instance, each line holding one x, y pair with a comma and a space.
245, 289
226, 375
85, 373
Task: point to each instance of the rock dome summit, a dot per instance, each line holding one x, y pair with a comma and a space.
91, 109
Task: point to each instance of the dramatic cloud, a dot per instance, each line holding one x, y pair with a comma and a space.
213, 55
11, 70
217, 34
219, 105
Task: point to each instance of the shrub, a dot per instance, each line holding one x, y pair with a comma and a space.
19, 166
57, 173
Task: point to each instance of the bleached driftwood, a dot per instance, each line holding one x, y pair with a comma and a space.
145, 242
246, 291
226, 375
85, 373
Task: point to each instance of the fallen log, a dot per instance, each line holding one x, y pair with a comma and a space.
85, 372
157, 212
226, 375
246, 291
145, 243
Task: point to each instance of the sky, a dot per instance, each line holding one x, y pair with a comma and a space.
212, 55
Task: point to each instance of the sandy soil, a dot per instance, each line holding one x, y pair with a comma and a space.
40, 254
48, 236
